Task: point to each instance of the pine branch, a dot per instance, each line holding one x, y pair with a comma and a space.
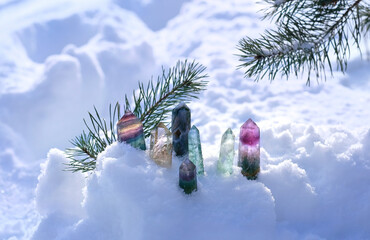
152, 105
364, 13
153, 102
87, 146
308, 31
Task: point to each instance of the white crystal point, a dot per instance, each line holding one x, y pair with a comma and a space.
227, 153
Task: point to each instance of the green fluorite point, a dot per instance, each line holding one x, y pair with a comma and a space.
161, 146
227, 153
195, 149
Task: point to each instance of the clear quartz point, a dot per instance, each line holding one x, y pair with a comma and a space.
161, 146
227, 153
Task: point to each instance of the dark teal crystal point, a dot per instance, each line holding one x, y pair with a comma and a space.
180, 128
188, 176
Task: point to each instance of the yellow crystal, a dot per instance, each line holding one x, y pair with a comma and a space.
161, 146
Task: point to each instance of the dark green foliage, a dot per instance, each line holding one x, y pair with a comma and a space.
152, 105
153, 102
87, 146
308, 32
365, 18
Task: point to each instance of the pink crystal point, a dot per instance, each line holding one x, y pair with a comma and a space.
249, 149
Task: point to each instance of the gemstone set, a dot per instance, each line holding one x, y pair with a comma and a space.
185, 143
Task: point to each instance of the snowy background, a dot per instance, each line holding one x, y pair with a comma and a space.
59, 58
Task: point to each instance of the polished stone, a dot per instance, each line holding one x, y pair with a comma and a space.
130, 130
188, 176
181, 118
227, 153
249, 149
161, 146
195, 149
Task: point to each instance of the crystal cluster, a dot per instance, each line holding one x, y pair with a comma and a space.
195, 149
249, 149
130, 130
188, 176
161, 146
185, 142
180, 128
227, 153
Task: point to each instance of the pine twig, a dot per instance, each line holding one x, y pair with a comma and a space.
308, 32
152, 105
87, 146
181, 83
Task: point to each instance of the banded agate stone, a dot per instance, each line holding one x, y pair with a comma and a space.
161, 146
249, 149
195, 149
130, 130
180, 128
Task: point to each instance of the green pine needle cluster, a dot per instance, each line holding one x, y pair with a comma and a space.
308, 33
88, 145
152, 104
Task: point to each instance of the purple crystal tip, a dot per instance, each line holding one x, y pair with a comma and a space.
250, 133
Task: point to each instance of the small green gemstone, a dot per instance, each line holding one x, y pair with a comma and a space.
188, 186
195, 149
250, 169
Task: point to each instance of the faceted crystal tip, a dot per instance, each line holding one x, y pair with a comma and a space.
194, 128
162, 125
250, 133
180, 106
229, 131
187, 170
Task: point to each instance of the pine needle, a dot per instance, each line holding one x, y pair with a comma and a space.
152, 105
309, 31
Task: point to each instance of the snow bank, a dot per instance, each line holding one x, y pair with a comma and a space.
311, 191
59, 58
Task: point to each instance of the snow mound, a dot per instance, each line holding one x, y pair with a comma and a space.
308, 192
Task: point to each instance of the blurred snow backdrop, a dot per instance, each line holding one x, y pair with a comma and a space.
61, 57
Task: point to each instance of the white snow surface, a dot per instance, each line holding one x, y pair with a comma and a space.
59, 58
